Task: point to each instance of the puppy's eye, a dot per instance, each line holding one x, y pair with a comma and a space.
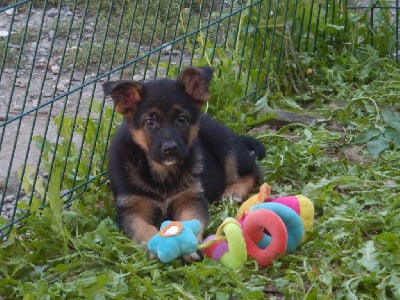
149, 122
181, 120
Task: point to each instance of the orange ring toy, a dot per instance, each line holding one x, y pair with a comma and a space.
254, 227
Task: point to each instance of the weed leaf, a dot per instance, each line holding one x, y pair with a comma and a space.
376, 146
388, 240
368, 259
55, 201
56, 207
366, 135
393, 135
392, 118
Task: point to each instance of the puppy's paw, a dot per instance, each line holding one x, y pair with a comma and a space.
188, 258
153, 256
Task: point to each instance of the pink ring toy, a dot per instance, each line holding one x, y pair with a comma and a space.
255, 225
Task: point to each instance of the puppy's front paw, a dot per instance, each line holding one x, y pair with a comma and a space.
188, 258
152, 256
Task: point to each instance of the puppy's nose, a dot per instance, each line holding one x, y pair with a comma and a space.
169, 148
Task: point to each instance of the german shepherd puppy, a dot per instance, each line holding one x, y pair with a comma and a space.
168, 161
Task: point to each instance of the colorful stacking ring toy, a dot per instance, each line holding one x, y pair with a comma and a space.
254, 227
292, 221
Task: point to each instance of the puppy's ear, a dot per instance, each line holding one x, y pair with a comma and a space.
125, 93
196, 81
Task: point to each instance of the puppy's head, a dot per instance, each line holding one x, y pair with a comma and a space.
163, 115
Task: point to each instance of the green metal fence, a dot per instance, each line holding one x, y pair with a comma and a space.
55, 123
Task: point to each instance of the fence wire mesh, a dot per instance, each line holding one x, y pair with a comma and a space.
55, 124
